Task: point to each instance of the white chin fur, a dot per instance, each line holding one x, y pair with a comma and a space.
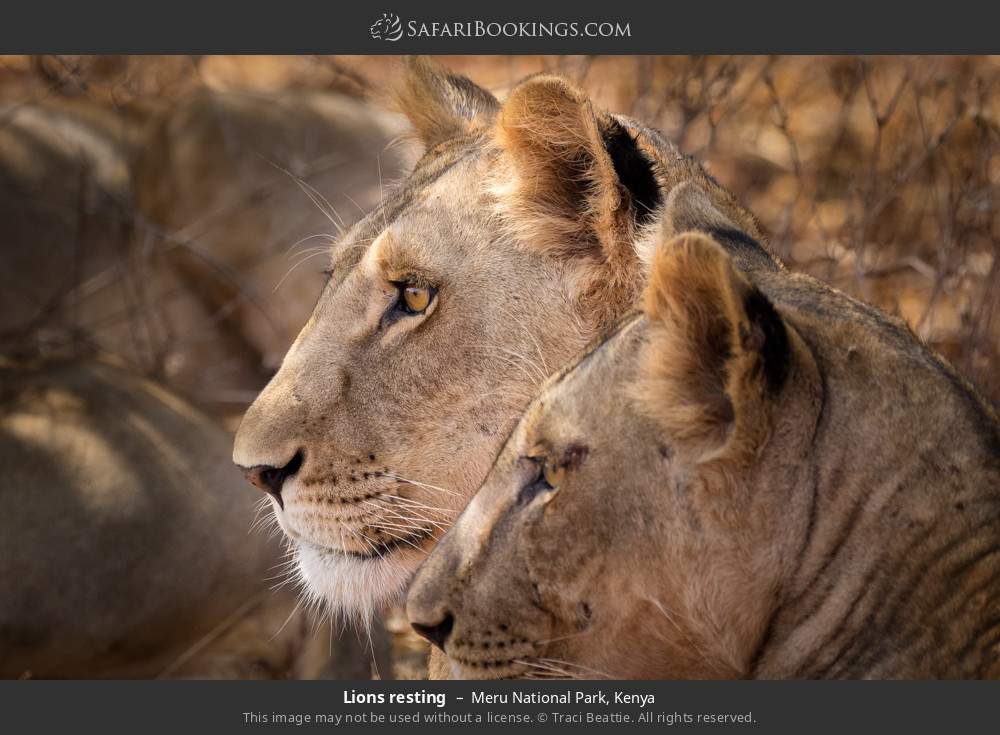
354, 589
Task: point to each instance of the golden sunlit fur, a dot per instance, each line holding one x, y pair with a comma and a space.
560, 190
763, 479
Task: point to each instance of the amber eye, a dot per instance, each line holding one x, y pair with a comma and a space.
544, 482
417, 298
553, 473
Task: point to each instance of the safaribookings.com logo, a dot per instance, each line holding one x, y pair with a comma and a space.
387, 28
390, 28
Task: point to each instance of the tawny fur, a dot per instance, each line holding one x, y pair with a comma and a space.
709, 394
440, 106
839, 518
516, 217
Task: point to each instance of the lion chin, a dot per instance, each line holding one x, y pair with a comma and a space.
351, 587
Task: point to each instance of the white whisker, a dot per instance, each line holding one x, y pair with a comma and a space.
296, 265
418, 483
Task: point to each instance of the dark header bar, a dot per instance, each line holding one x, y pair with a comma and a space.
510, 26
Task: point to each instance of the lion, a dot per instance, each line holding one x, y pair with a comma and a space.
519, 235
124, 549
750, 478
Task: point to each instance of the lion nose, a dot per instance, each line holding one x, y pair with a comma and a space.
436, 633
270, 479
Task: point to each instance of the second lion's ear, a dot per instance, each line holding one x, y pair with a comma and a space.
718, 352
441, 105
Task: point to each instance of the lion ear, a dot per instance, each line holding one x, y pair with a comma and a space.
718, 352
441, 105
689, 206
578, 183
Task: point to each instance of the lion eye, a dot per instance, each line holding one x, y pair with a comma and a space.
417, 298
553, 473
411, 300
545, 480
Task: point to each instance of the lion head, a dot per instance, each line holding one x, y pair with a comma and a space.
752, 478
510, 245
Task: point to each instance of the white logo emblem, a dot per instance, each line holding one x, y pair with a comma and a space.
387, 28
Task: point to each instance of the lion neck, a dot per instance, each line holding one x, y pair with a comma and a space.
759, 524
898, 572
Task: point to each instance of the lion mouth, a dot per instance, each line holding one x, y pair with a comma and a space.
378, 550
378, 521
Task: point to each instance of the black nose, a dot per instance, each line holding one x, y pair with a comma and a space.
436, 634
270, 479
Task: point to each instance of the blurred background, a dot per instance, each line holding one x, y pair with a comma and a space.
163, 228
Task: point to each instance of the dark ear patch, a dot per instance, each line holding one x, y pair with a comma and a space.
689, 206
741, 246
634, 170
766, 336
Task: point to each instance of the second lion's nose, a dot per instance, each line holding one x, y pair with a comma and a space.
271, 479
437, 633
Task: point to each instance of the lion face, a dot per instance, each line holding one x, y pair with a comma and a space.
420, 352
609, 539
519, 580
444, 310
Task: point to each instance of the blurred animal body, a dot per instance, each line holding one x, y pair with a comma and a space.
80, 285
185, 242
125, 551
160, 240
243, 193
64, 217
